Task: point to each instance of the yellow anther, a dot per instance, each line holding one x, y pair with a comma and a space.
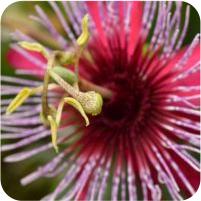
73, 102
53, 126
84, 37
34, 47
19, 100
23, 95
59, 112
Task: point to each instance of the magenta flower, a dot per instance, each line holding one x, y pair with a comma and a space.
146, 139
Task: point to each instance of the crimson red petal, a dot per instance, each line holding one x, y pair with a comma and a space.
121, 22
192, 175
136, 24
18, 61
94, 12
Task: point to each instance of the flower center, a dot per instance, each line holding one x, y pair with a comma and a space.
131, 105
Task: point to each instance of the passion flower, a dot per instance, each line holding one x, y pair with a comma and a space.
144, 138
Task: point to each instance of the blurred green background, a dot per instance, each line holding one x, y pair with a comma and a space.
16, 16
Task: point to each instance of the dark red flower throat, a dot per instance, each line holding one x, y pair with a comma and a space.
130, 107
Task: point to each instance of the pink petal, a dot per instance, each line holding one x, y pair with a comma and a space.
18, 61
193, 79
193, 59
94, 12
136, 23
192, 175
121, 22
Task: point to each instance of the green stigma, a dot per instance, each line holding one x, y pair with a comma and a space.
91, 102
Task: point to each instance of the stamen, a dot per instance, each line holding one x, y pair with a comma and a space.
84, 37
73, 102
34, 47
19, 99
23, 95
53, 126
59, 111
82, 42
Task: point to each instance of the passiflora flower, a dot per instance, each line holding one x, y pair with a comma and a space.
122, 66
